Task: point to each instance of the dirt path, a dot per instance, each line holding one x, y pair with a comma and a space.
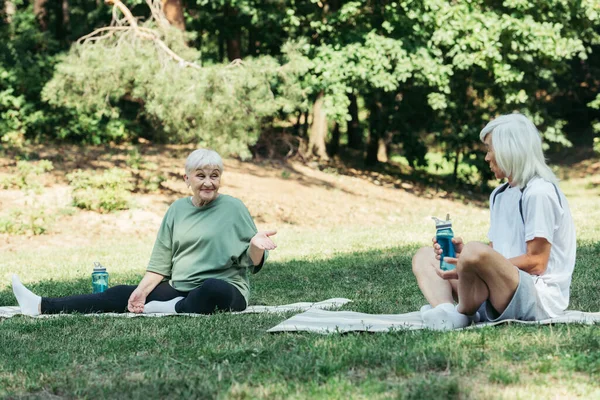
276, 194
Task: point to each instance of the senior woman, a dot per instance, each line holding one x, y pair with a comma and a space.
525, 270
204, 248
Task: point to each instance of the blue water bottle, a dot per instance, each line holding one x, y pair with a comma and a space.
444, 237
99, 278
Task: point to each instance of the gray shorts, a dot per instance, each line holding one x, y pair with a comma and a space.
525, 304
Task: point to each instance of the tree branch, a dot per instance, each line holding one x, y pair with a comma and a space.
139, 31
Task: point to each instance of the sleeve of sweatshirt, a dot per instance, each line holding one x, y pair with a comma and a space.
161, 260
247, 230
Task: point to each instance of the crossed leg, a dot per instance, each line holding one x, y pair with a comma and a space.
483, 274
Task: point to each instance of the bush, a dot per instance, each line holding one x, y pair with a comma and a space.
26, 176
149, 181
104, 193
26, 221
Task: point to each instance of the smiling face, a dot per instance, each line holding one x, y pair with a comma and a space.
490, 157
205, 183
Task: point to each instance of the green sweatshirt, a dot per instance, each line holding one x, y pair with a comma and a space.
197, 243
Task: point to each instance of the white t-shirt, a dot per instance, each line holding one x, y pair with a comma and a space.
545, 217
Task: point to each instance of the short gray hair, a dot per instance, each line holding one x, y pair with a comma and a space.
517, 146
202, 158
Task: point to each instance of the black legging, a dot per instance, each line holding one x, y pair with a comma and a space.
212, 295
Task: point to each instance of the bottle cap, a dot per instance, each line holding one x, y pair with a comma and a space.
99, 267
441, 224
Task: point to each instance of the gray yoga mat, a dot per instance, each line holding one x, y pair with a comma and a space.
328, 322
11, 311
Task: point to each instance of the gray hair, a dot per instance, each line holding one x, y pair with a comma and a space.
517, 146
202, 158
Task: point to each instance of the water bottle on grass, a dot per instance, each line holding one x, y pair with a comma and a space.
99, 278
444, 237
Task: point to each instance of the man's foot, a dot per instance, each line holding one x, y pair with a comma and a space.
445, 317
162, 307
28, 301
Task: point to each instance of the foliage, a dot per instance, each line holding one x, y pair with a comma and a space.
445, 67
27, 60
106, 192
28, 220
27, 175
146, 177
22, 73
596, 126
427, 73
219, 107
150, 181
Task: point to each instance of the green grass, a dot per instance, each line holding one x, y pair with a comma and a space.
232, 356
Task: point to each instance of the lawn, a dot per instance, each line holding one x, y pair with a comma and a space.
232, 356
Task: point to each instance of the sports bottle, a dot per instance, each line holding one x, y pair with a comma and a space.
99, 278
444, 237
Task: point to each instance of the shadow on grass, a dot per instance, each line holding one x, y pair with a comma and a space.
378, 281
224, 356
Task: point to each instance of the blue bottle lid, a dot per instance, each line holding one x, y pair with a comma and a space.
441, 224
99, 267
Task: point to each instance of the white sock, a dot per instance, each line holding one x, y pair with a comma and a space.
162, 307
445, 317
426, 307
28, 301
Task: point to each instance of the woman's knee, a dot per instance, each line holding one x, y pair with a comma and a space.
212, 291
212, 295
473, 255
213, 286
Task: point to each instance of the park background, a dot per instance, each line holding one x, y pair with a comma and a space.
344, 125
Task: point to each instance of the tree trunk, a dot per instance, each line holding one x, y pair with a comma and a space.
234, 50
382, 151
63, 19
318, 130
305, 124
456, 161
375, 130
221, 45
298, 125
251, 42
234, 34
173, 11
334, 145
66, 14
41, 13
372, 149
355, 139
385, 141
9, 11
